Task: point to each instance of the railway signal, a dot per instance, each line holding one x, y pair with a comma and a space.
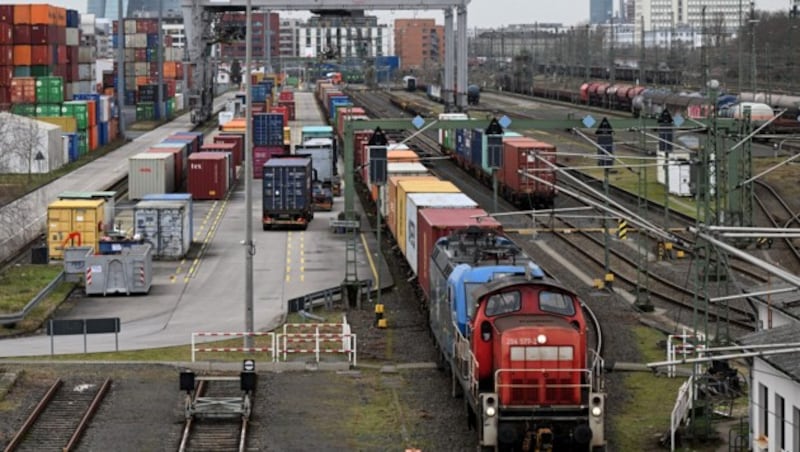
494, 147
605, 139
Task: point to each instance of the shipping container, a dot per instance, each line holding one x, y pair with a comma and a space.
267, 129
322, 160
109, 206
42, 141
224, 147
418, 201
166, 225
410, 169
391, 197
262, 154
209, 174
66, 123
74, 223
410, 186
49, 90
287, 192
434, 224
527, 155
447, 137
151, 173
179, 161
172, 197
23, 90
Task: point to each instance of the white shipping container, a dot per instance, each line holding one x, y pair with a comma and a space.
130, 55
661, 173
400, 169
150, 172
86, 72
178, 101
83, 87
73, 36
225, 117
680, 179
130, 26
141, 69
69, 89
140, 41
65, 146
86, 55
104, 108
29, 146
417, 201
166, 225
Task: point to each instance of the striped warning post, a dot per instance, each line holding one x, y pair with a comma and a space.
89, 276
232, 334
141, 275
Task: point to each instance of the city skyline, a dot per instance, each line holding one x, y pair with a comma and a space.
481, 13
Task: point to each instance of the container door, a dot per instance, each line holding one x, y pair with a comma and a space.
146, 226
171, 233
115, 277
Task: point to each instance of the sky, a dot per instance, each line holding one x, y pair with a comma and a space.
480, 13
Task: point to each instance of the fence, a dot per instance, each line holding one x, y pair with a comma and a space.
270, 349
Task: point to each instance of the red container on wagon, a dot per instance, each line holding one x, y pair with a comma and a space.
177, 152
225, 147
434, 224
238, 141
526, 154
208, 175
261, 154
286, 96
282, 110
289, 106
360, 140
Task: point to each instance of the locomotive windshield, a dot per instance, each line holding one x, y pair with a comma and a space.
503, 303
556, 303
472, 300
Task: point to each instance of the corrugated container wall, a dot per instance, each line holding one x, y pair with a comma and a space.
172, 197
74, 223
404, 188
208, 175
166, 225
150, 173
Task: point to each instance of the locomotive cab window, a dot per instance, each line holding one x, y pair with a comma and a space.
556, 303
503, 303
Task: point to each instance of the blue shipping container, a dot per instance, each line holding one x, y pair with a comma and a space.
102, 133
268, 129
152, 40
259, 93
73, 150
175, 197
476, 148
287, 185
73, 18
462, 143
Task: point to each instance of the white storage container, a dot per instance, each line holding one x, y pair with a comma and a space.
680, 177
225, 117
86, 72
86, 55
150, 172
105, 108
141, 69
130, 26
166, 225
38, 145
674, 156
178, 101
400, 169
73, 36
417, 201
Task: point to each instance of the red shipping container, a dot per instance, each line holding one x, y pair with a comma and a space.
178, 156
92, 111
40, 34
237, 141
284, 111
360, 140
62, 55
6, 55
286, 96
71, 72
22, 34
179, 70
520, 154
6, 74
434, 224
262, 154
171, 87
72, 55
5, 96
41, 55
352, 113
208, 175
289, 105
140, 55
23, 90
6, 33
7, 14
196, 140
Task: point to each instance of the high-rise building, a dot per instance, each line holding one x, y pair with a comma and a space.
669, 14
342, 38
601, 11
105, 9
149, 8
419, 43
235, 46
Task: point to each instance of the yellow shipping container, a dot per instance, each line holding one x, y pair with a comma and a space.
391, 198
72, 222
287, 136
405, 187
68, 124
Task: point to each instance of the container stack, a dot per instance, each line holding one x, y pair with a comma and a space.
87, 55
142, 48
164, 167
286, 100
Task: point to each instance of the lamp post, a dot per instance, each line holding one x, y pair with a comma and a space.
249, 246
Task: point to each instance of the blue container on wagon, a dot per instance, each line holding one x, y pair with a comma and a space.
268, 129
172, 197
476, 148
102, 133
73, 148
259, 93
334, 101
463, 144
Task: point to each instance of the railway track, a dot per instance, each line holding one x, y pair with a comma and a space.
215, 433
61, 416
662, 285
779, 215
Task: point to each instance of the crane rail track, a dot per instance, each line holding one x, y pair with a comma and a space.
60, 417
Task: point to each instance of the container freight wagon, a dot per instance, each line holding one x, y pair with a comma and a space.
287, 192
522, 157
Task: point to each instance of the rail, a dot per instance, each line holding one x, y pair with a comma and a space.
8, 319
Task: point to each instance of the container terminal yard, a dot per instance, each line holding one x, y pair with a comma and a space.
435, 268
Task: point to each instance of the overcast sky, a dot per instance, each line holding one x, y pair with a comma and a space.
483, 13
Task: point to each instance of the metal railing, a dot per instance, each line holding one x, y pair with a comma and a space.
7, 319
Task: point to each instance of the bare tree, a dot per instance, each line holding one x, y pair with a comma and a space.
24, 145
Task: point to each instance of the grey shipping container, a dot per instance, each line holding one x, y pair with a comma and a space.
287, 197
165, 225
129, 272
150, 172
171, 197
321, 152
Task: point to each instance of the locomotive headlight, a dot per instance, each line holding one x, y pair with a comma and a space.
541, 339
597, 411
491, 411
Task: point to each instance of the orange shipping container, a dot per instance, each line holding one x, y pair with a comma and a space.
22, 14
142, 80
91, 135
61, 16
91, 107
170, 69
43, 14
22, 55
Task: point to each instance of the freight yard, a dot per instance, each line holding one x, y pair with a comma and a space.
437, 262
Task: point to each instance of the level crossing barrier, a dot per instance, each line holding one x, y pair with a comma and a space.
270, 349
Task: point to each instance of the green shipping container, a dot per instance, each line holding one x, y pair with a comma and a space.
291, 81
41, 71
24, 109
78, 110
145, 111
48, 109
49, 90
83, 143
22, 71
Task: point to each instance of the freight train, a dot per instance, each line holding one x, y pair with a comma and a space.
513, 339
435, 93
